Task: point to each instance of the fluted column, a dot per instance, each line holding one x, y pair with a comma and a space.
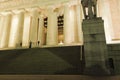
34, 26
52, 29
5, 30
16, 32
79, 23
41, 32
1, 26
70, 30
75, 24
26, 30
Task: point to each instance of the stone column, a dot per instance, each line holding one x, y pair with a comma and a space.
79, 17
34, 26
70, 29
52, 29
41, 33
26, 30
1, 26
5, 30
16, 32
79, 23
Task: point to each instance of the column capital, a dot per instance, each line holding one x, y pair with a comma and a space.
5, 13
17, 11
71, 3
59, 11
34, 11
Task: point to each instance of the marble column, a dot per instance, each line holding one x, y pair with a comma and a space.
34, 26
70, 30
79, 23
26, 30
41, 32
1, 26
5, 30
52, 29
16, 32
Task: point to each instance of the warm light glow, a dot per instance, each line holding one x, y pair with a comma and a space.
61, 43
60, 39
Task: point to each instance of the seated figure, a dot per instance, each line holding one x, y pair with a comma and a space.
90, 4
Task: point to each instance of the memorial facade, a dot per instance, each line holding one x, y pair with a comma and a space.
89, 36
27, 27
24, 25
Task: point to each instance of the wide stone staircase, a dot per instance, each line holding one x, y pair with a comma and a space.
42, 61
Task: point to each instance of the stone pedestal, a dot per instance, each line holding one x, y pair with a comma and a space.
95, 47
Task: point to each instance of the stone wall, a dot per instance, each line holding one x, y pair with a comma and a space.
114, 57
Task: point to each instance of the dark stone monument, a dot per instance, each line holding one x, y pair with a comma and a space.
95, 47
